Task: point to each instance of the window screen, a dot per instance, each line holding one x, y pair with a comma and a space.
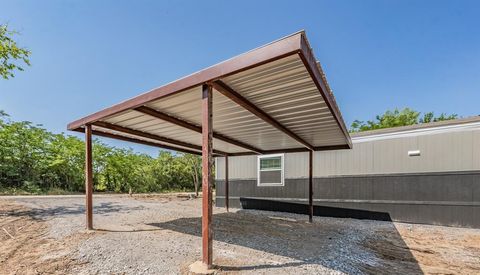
270, 170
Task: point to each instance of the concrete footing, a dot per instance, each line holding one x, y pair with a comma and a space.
201, 268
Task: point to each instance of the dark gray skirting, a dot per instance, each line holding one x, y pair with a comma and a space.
451, 199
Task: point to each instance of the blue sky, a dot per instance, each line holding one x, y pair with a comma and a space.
377, 55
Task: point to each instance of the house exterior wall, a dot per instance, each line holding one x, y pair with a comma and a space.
441, 186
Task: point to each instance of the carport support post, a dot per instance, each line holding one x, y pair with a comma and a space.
310, 186
88, 176
226, 183
207, 179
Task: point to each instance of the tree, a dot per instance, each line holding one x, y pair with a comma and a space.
398, 118
430, 117
194, 164
11, 55
35, 160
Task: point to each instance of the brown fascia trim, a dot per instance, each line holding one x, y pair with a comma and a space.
193, 127
310, 62
276, 50
294, 150
143, 142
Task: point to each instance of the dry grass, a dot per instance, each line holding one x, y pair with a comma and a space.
26, 248
436, 250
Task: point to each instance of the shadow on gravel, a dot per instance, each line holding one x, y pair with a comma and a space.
74, 209
318, 210
337, 244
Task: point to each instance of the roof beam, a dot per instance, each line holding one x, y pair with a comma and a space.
295, 150
225, 90
150, 136
140, 141
144, 142
193, 127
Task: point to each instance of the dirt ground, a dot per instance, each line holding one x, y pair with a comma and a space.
162, 235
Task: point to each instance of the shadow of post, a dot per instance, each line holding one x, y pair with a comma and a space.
73, 209
329, 244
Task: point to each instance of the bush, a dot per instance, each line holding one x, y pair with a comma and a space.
36, 161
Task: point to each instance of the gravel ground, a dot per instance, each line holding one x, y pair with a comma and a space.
162, 235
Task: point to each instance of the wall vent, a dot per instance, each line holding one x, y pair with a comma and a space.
414, 153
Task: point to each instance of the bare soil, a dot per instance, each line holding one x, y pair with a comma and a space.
435, 249
162, 235
25, 247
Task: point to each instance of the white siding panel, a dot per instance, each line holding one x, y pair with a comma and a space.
296, 165
241, 167
344, 162
439, 152
476, 150
391, 155
447, 152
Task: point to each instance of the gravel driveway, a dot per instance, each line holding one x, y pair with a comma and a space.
162, 235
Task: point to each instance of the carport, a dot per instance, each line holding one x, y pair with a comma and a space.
273, 99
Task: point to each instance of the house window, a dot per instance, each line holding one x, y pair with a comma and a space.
270, 170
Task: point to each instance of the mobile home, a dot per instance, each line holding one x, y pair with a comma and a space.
427, 173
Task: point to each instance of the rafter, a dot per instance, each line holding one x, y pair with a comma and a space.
141, 141
225, 90
122, 129
193, 127
144, 142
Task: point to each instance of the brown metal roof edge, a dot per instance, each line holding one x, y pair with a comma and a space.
459, 121
318, 77
272, 51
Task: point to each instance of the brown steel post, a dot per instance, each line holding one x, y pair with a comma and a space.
310, 186
88, 176
207, 180
226, 183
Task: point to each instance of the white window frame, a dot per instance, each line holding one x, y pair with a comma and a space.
282, 157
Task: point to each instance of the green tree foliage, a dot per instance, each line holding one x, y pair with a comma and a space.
430, 117
398, 118
11, 55
37, 161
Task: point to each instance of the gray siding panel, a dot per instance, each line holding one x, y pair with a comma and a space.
435, 198
475, 188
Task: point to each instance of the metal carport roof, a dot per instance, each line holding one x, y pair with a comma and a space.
272, 99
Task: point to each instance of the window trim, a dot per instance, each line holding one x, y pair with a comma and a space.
282, 157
